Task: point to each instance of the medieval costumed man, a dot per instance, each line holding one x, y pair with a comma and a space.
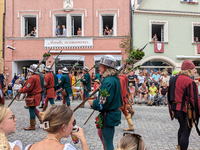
124, 92
33, 89
65, 83
49, 85
86, 84
109, 107
184, 103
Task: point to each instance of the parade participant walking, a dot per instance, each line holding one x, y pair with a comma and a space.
49, 85
110, 110
86, 84
124, 93
183, 101
66, 85
33, 89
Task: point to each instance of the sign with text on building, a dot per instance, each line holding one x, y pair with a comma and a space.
68, 43
159, 47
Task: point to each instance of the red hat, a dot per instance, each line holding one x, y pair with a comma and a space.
187, 65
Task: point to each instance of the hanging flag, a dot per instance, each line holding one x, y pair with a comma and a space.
198, 48
159, 47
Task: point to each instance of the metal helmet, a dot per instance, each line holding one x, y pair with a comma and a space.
33, 68
86, 69
65, 70
108, 60
119, 68
48, 68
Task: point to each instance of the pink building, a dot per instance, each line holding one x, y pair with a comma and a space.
87, 45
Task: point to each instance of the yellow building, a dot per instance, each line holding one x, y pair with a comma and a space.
1, 36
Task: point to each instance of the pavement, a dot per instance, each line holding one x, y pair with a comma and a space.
151, 122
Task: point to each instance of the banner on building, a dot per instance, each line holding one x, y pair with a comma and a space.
198, 48
68, 43
159, 47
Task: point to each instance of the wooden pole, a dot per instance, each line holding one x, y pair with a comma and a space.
89, 117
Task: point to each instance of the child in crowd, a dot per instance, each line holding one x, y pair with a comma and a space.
132, 92
9, 89
152, 93
131, 141
163, 94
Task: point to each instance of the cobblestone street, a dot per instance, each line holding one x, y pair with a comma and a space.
152, 123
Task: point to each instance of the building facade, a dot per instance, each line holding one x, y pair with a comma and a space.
32, 27
176, 24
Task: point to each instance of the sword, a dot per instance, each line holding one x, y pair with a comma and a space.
40, 62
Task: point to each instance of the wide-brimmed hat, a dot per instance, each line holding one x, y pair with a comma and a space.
65, 70
97, 80
108, 60
86, 69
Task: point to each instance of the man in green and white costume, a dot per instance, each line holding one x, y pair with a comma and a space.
110, 110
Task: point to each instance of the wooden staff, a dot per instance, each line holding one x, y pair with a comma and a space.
56, 58
40, 62
86, 100
89, 117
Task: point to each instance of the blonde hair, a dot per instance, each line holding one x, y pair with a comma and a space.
130, 142
57, 116
3, 112
186, 72
63, 26
110, 72
165, 73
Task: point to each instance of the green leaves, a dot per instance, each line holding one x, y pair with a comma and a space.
104, 93
136, 54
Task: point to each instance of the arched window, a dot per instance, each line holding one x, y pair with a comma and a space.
158, 65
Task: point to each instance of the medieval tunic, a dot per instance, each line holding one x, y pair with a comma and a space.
49, 85
33, 87
86, 82
110, 113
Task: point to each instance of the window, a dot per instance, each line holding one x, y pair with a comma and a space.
68, 25
108, 25
188, 0
196, 33
29, 26
158, 31
76, 25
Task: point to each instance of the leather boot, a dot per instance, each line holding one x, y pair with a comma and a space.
131, 111
63, 104
70, 107
44, 108
130, 123
32, 125
41, 106
178, 147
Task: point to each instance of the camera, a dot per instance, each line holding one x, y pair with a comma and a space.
10, 47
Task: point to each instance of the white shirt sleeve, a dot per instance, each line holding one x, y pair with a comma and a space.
18, 143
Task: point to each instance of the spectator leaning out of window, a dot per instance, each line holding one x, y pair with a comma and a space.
33, 32
106, 30
154, 39
79, 31
196, 40
58, 30
156, 78
64, 30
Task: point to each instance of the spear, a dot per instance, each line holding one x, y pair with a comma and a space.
86, 100
40, 62
56, 58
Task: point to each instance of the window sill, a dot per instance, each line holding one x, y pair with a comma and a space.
159, 42
195, 43
30, 36
194, 3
